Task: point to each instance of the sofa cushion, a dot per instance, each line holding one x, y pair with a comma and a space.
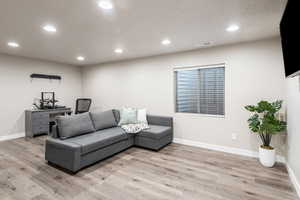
100, 139
155, 132
142, 116
128, 116
104, 119
74, 125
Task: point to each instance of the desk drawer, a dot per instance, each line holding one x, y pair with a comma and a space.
42, 121
40, 116
40, 129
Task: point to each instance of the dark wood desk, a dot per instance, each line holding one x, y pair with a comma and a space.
37, 121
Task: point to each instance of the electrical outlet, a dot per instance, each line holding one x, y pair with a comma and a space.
233, 136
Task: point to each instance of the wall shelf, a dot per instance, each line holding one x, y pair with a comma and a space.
45, 76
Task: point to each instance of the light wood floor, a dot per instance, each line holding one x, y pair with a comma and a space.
176, 172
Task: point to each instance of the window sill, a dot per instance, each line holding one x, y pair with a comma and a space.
201, 115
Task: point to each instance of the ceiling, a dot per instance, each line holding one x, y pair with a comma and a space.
136, 26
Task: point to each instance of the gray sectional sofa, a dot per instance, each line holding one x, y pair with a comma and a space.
81, 140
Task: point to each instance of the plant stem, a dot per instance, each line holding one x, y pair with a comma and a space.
263, 138
270, 139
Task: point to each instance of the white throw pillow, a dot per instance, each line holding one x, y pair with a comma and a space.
128, 116
142, 116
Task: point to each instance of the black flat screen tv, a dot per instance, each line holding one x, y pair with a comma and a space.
290, 38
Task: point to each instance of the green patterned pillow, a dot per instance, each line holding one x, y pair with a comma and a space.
128, 116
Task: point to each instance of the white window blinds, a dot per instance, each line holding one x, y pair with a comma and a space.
200, 90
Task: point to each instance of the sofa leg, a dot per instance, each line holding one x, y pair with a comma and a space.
62, 169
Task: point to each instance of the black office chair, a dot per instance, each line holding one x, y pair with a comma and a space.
83, 105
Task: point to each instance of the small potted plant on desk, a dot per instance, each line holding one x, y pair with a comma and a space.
265, 123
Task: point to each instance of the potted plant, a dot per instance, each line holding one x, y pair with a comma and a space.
265, 123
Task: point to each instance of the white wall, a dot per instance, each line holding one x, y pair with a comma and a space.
18, 91
254, 72
293, 120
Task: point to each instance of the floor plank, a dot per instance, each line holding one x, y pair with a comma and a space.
175, 172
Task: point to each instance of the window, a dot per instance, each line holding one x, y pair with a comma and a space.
200, 90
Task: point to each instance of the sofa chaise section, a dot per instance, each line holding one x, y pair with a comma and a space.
159, 135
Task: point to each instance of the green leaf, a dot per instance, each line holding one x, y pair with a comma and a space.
250, 108
254, 123
277, 105
264, 106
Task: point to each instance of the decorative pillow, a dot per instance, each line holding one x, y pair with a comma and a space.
134, 128
74, 125
142, 116
103, 120
128, 116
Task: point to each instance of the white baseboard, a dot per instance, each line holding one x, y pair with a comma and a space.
231, 150
293, 179
11, 136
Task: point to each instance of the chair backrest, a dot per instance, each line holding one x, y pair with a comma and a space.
83, 105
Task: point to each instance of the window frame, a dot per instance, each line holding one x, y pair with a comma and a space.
179, 68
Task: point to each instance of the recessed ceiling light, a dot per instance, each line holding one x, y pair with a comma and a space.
118, 50
80, 58
50, 28
105, 4
232, 28
13, 44
166, 42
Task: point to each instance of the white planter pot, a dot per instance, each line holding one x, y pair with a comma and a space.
267, 157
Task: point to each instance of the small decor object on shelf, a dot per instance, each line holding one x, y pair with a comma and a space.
48, 100
265, 123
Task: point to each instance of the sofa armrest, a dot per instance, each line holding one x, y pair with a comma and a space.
160, 120
64, 154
